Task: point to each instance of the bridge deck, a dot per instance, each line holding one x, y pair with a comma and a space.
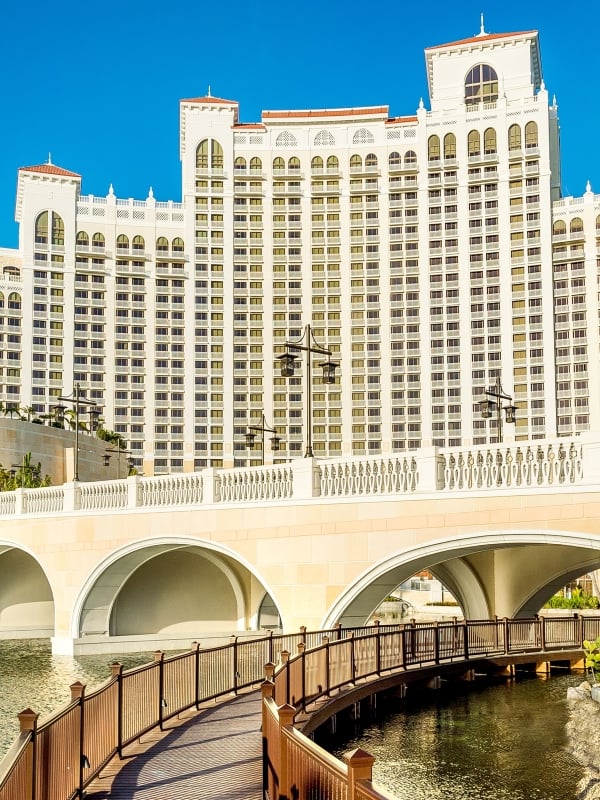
214, 754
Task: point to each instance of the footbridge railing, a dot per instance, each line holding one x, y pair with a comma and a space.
56, 759
551, 464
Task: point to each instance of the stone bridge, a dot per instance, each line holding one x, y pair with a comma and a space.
141, 563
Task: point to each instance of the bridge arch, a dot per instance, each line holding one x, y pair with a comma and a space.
509, 573
26, 596
173, 586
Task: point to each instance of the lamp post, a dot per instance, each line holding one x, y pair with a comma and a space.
309, 344
118, 451
262, 429
489, 406
77, 400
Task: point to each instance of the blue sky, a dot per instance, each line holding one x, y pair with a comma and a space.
97, 84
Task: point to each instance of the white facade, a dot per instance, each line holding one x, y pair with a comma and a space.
419, 249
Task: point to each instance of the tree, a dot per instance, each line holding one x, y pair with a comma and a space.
27, 476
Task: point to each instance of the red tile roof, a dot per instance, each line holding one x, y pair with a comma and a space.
253, 126
50, 169
485, 38
326, 112
215, 100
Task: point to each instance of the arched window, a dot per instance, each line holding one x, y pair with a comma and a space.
333, 163
449, 145
474, 143
559, 228
1, 300
41, 228
294, 164
514, 137
82, 239
355, 161
324, 138
489, 141
216, 155
410, 158
122, 242
239, 163
98, 240
395, 160
202, 155
576, 225
286, 139
177, 244
363, 136
317, 163
14, 301
278, 164
138, 243
433, 148
531, 135
598, 223
256, 164
371, 161
58, 230
481, 85
162, 244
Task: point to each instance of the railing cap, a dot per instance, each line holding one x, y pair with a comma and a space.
28, 720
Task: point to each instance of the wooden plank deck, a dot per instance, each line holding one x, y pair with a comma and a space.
214, 753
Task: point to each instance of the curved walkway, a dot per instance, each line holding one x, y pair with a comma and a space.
217, 753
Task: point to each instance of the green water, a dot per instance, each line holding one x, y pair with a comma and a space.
499, 742
31, 677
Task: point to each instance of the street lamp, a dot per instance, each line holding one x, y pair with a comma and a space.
77, 400
489, 406
288, 365
262, 429
118, 451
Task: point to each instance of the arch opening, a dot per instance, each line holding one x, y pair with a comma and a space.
26, 599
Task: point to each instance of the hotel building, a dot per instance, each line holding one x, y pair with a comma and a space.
430, 253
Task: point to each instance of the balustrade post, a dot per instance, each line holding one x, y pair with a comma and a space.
430, 469
285, 659
436, 642
542, 631
376, 623
71, 497
327, 678
196, 648
28, 720
306, 478
134, 491
159, 658
117, 672
352, 657
338, 628
301, 654
506, 636
20, 502
269, 671
360, 768
266, 692
466, 639
286, 720
78, 693
210, 486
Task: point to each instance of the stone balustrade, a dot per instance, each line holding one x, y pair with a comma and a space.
530, 465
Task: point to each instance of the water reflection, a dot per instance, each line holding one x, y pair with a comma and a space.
31, 677
504, 741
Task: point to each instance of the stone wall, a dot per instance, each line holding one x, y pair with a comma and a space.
583, 728
54, 448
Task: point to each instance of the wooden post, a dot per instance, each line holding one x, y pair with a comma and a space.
360, 768
285, 658
28, 720
286, 720
266, 692
117, 672
78, 693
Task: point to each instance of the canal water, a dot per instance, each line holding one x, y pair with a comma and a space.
31, 677
501, 741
